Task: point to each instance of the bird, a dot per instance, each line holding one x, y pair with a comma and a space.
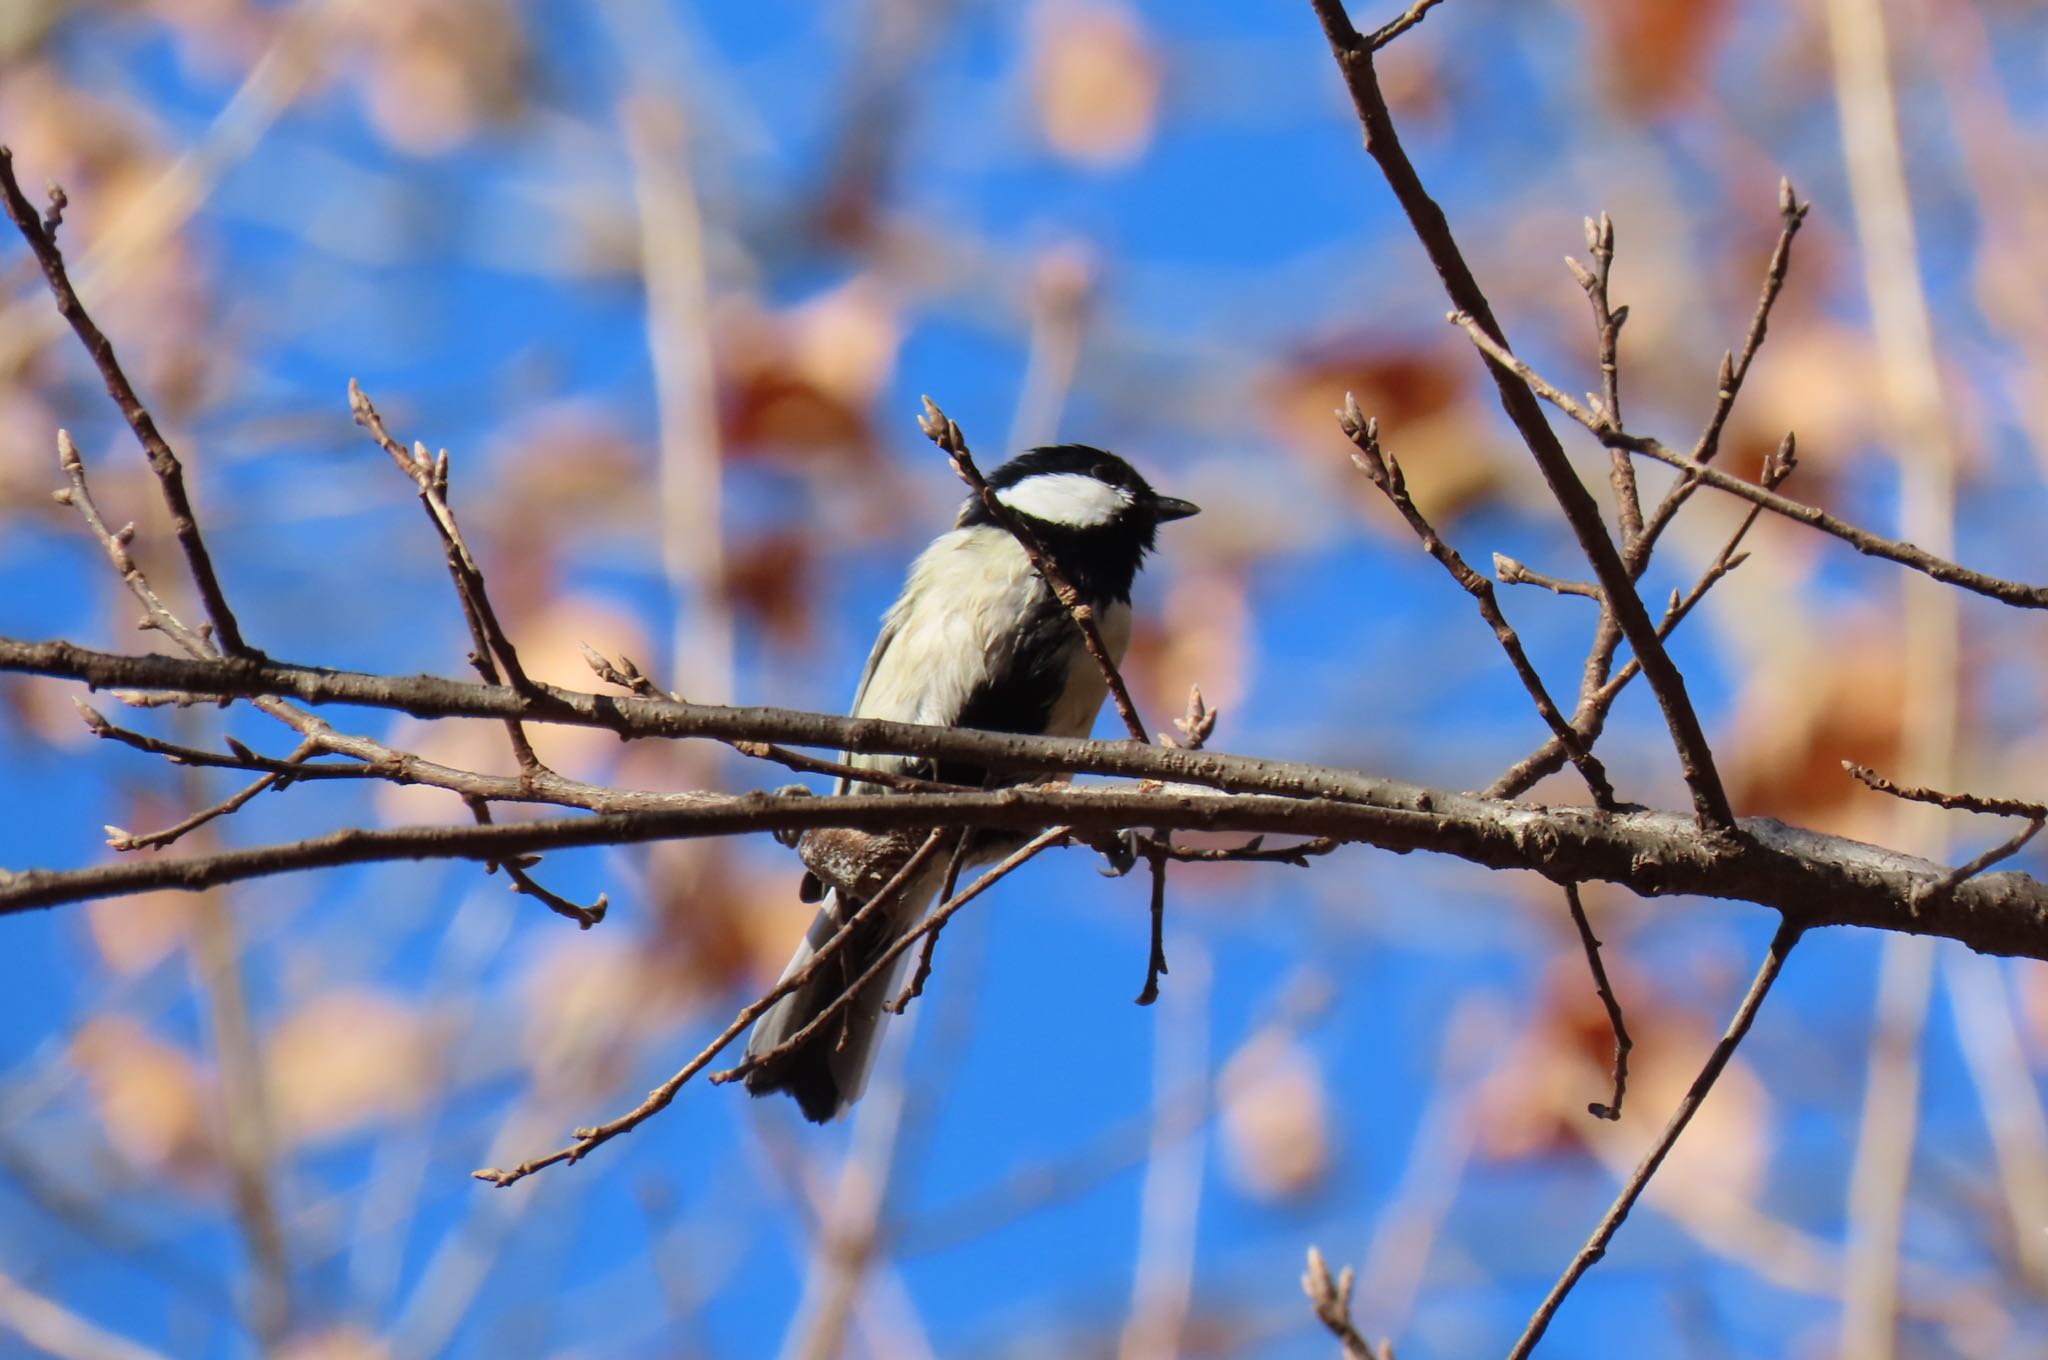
977, 639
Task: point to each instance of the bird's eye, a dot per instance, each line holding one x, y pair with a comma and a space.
1103, 472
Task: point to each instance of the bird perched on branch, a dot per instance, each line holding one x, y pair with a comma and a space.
977, 639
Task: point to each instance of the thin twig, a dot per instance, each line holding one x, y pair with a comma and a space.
170, 474
515, 868
626, 674
1958, 802
659, 1099
839, 769
1331, 1300
923, 972
1512, 573
157, 615
2015, 593
1622, 1043
1155, 960
1394, 28
1997, 854
933, 922
2035, 813
119, 839
317, 735
1734, 367
1607, 323
1595, 703
490, 649
1596, 692
237, 757
1610, 1223
1385, 473
1253, 851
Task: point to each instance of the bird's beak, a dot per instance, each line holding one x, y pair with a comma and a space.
1166, 507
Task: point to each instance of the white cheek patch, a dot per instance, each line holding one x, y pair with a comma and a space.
1073, 499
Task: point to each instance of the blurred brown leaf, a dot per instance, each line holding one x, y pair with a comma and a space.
799, 384
335, 1343
1275, 1117
134, 934
431, 71
1650, 55
1095, 80
566, 469
1202, 637
724, 921
1534, 1102
770, 577
153, 1099
1418, 395
348, 1058
1804, 710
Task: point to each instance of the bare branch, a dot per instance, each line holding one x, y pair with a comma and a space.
1596, 1245
491, 648
515, 869
170, 474
122, 840
1155, 960
1355, 59
930, 925
1622, 1043
1513, 573
1959, 802
1394, 28
1385, 473
1332, 1301
1734, 368
2015, 593
1253, 851
1811, 878
1607, 324
923, 972
659, 1099
2035, 813
1595, 703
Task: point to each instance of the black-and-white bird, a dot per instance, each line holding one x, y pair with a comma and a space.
976, 640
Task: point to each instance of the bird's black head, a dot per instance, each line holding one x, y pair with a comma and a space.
1090, 508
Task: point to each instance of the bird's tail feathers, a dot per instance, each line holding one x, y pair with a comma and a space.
829, 1070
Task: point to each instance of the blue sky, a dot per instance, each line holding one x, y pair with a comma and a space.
481, 289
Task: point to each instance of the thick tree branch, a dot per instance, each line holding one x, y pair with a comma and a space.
1827, 879
1814, 879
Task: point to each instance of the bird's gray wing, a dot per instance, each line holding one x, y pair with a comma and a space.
888, 635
